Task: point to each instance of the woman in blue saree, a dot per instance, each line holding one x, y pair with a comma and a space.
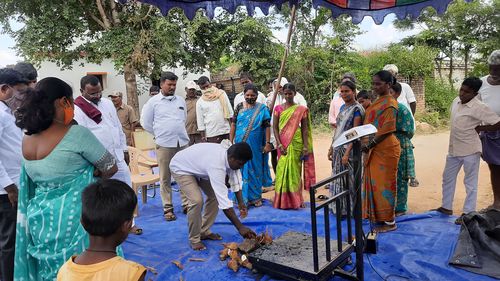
60, 160
251, 124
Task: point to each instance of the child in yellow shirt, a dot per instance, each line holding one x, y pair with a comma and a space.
107, 212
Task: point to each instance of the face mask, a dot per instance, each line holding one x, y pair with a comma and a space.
250, 101
69, 113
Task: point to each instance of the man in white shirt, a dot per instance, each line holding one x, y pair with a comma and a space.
213, 112
164, 116
100, 117
298, 99
407, 96
11, 137
246, 78
107, 128
467, 115
205, 167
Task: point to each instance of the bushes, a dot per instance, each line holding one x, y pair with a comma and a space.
438, 97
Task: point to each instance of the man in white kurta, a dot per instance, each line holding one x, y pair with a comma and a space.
246, 78
109, 130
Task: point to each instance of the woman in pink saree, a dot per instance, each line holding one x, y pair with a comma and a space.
292, 124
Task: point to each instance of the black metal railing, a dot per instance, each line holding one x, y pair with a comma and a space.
342, 198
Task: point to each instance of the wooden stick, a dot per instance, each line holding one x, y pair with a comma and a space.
285, 55
196, 259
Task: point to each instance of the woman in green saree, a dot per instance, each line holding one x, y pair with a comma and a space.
60, 160
292, 125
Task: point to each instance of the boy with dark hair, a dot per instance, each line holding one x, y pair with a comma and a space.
28, 71
467, 115
107, 212
364, 98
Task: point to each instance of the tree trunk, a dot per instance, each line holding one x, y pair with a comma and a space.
439, 63
450, 73
466, 62
131, 86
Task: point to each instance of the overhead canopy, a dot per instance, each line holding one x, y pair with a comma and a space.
357, 9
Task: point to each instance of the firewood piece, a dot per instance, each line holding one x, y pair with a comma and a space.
232, 245
233, 264
249, 245
245, 262
178, 264
196, 259
223, 254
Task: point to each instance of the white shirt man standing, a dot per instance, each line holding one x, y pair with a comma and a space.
213, 112
246, 78
100, 117
11, 137
407, 96
164, 116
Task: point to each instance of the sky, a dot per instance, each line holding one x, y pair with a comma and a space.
373, 37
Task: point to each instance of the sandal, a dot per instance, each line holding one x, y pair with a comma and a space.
398, 214
198, 246
257, 203
169, 216
443, 211
135, 230
386, 227
211, 236
460, 219
414, 182
322, 197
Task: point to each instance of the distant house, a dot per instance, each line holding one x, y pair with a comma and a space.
110, 78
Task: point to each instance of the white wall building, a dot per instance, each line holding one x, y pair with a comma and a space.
112, 80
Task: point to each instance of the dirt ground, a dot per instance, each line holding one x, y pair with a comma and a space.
430, 156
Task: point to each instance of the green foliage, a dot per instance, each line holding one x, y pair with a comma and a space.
466, 31
438, 97
431, 118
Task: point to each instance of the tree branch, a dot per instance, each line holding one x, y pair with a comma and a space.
114, 12
105, 19
149, 11
96, 19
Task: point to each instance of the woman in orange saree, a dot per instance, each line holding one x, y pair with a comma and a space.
293, 126
381, 165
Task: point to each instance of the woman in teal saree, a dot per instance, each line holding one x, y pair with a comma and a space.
251, 124
60, 160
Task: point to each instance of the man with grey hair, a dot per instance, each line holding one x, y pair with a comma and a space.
407, 96
489, 93
126, 114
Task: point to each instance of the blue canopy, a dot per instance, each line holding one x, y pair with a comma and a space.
357, 9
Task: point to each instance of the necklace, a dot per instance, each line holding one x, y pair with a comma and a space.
101, 251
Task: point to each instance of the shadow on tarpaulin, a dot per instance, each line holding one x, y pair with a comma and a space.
418, 250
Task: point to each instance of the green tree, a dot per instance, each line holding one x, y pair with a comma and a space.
466, 31
136, 37
317, 52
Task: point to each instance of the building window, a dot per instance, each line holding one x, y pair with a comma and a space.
101, 76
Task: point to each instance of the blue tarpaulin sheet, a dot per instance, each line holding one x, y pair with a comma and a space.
418, 250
